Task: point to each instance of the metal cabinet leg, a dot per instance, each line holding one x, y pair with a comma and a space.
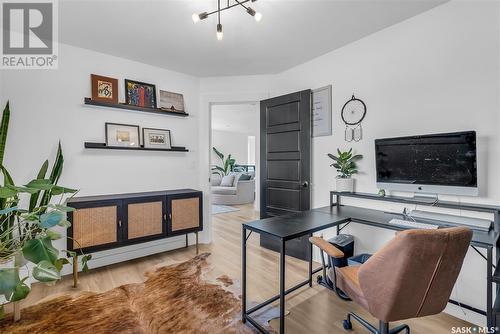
197, 248
282, 287
243, 274
75, 271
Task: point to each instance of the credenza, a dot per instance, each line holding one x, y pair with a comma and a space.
110, 221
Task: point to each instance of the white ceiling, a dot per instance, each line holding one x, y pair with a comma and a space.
161, 32
240, 118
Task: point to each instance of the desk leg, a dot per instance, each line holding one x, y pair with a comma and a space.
310, 263
282, 287
243, 274
489, 297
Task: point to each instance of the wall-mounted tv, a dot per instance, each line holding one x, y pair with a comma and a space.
443, 163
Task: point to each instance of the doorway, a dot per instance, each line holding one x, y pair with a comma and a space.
234, 157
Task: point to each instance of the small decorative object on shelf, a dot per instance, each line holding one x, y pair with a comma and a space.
173, 102
140, 94
156, 138
345, 163
104, 89
381, 193
122, 135
353, 113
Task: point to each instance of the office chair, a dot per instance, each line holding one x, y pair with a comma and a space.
412, 276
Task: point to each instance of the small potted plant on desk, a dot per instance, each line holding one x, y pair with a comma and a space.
345, 163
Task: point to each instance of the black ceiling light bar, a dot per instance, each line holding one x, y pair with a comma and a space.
256, 15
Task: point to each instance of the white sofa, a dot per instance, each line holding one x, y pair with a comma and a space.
241, 192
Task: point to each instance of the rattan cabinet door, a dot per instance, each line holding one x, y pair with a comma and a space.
145, 219
94, 226
185, 212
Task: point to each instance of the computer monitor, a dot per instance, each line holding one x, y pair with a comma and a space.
429, 164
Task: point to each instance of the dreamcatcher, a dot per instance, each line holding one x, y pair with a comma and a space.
353, 113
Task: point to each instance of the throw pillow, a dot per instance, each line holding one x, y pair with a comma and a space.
245, 177
227, 181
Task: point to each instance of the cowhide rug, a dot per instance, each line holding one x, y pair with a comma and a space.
173, 299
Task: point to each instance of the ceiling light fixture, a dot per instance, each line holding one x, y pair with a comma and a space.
256, 15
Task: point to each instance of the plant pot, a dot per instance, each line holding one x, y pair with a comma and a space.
345, 184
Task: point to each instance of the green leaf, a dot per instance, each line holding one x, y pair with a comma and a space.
55, 174
64, 223
53, 235
9, 279
6, 192
40, 176
71, 253
40, 184
41, 249
60, 263
7, 179
219, 154
8, 210
4, 128
45, 271
57, 190
50, 219
21, 291
85, 260
331, 156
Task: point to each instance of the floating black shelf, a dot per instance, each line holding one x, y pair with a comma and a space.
89, 101
103, 146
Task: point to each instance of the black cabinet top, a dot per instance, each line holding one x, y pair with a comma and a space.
304, 223
132, 195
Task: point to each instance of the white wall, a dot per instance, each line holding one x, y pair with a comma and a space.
228, 142
47, 106
436, 72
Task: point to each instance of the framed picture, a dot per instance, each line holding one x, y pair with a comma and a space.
122, 135
140, 94
322, 111
156, 138
171, 101
104, 89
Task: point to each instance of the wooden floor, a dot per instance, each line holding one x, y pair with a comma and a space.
312, 310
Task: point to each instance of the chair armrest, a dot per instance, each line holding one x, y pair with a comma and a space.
327, 247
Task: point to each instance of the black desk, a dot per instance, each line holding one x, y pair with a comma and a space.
305, 223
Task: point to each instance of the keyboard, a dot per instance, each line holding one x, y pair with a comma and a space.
412, 224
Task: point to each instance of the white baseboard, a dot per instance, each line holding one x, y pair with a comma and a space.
122, 254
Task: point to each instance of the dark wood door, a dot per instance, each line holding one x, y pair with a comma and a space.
285, 162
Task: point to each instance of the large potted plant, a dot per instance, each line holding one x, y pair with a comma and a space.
227, 164
27, 230
345, 164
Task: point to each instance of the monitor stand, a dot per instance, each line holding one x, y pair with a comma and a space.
425, 198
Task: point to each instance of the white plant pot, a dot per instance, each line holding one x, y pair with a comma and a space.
345, 184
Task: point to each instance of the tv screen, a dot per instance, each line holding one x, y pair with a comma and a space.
413, 163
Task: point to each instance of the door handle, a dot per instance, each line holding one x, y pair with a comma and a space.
305, 184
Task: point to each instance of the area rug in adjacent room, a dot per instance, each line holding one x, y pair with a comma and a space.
216, 209
173, 299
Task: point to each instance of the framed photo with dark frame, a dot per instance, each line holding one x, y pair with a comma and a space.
104, 89
140, 94
156, 138
122, 135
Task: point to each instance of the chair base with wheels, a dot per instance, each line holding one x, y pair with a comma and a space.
383, 326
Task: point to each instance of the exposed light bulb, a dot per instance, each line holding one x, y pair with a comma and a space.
220, 34
196, 18
257, 17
